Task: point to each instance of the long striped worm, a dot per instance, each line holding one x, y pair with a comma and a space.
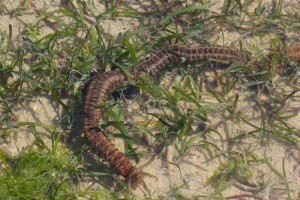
99, 88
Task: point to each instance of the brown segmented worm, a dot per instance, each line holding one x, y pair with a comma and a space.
99, 88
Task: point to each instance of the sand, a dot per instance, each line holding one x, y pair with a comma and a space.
172, 170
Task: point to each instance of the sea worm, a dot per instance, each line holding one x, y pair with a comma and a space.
102, 86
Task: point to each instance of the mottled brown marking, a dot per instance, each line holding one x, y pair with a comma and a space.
293, 52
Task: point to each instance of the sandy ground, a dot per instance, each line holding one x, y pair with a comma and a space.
195, 167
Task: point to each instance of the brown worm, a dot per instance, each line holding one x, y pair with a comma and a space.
173, 53
99, 88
